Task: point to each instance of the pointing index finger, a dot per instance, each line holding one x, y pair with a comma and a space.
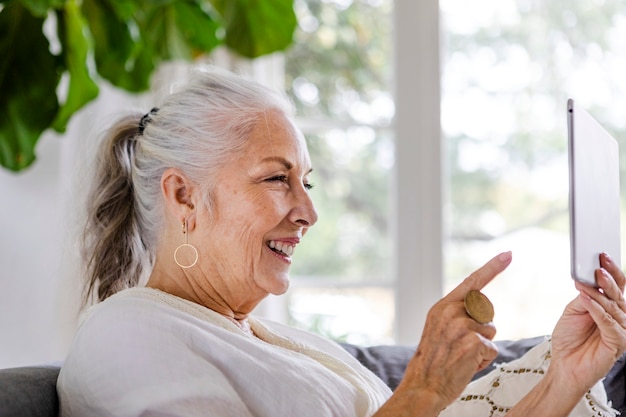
482, 276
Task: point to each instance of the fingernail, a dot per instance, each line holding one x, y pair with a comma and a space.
607, 257
505, 256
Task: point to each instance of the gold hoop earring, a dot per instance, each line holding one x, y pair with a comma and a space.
186, 245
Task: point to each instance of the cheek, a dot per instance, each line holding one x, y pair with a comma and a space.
234, 207
268, 206
245, 214
248, 220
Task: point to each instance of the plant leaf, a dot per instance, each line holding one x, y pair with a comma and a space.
197, 27
82, 88
120, 58
257, 27
180, 29
28, 80
40, 8
124, 9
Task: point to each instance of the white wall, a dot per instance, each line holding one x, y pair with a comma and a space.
35, 252
40, 283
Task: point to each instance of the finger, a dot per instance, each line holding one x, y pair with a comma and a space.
604, 297
488, 353
609, 287
487, 330
612, 333
612, 298
607, 263
482, 276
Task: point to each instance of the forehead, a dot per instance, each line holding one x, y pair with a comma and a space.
275, 136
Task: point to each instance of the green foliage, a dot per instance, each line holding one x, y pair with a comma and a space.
28, 102
247, 21
121, 41
82, 88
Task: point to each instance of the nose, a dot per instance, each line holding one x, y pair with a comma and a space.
303, 212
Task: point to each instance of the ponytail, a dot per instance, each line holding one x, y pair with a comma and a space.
115, 253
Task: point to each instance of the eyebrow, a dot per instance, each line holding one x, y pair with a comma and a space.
288, 165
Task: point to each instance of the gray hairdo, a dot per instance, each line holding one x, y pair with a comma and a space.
196, 130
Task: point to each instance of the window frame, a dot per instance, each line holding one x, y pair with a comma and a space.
417, 213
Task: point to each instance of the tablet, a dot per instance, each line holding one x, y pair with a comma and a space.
594, 194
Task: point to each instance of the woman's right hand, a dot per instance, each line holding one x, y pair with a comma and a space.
452, 349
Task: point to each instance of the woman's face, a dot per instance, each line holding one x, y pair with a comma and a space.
261, 210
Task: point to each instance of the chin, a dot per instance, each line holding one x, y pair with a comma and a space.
279, 285
280, 290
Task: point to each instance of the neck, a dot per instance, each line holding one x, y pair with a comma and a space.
242, 323
237, 309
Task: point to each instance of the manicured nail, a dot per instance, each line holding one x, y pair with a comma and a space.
606, 274
505, 256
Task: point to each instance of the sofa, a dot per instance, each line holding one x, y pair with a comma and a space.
31, 391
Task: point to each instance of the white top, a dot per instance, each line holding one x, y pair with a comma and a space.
143, 352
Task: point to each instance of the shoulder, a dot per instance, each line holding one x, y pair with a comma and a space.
153, 311
141, 321
132, 352
123, 331
127, 315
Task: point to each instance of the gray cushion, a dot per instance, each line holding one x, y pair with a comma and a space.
29, 392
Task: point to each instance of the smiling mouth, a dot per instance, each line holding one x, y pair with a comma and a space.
281, 248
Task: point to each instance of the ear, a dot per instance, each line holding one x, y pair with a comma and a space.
180, 195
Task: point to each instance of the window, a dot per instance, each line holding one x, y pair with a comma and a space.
412, 202
508, 69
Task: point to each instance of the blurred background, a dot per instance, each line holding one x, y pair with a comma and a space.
437, 130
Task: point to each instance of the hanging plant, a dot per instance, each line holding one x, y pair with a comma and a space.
121, 41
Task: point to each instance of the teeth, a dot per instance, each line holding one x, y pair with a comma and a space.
283, 247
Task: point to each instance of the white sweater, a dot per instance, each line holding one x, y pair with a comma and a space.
143, 352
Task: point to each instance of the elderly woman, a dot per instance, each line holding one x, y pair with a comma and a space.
207, 197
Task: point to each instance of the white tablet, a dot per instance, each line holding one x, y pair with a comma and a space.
594, 197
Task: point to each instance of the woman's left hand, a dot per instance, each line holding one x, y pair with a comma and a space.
591, 334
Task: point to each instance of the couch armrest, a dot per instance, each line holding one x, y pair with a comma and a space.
29, 391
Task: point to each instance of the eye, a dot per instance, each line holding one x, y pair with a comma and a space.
279, 178
284, 179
